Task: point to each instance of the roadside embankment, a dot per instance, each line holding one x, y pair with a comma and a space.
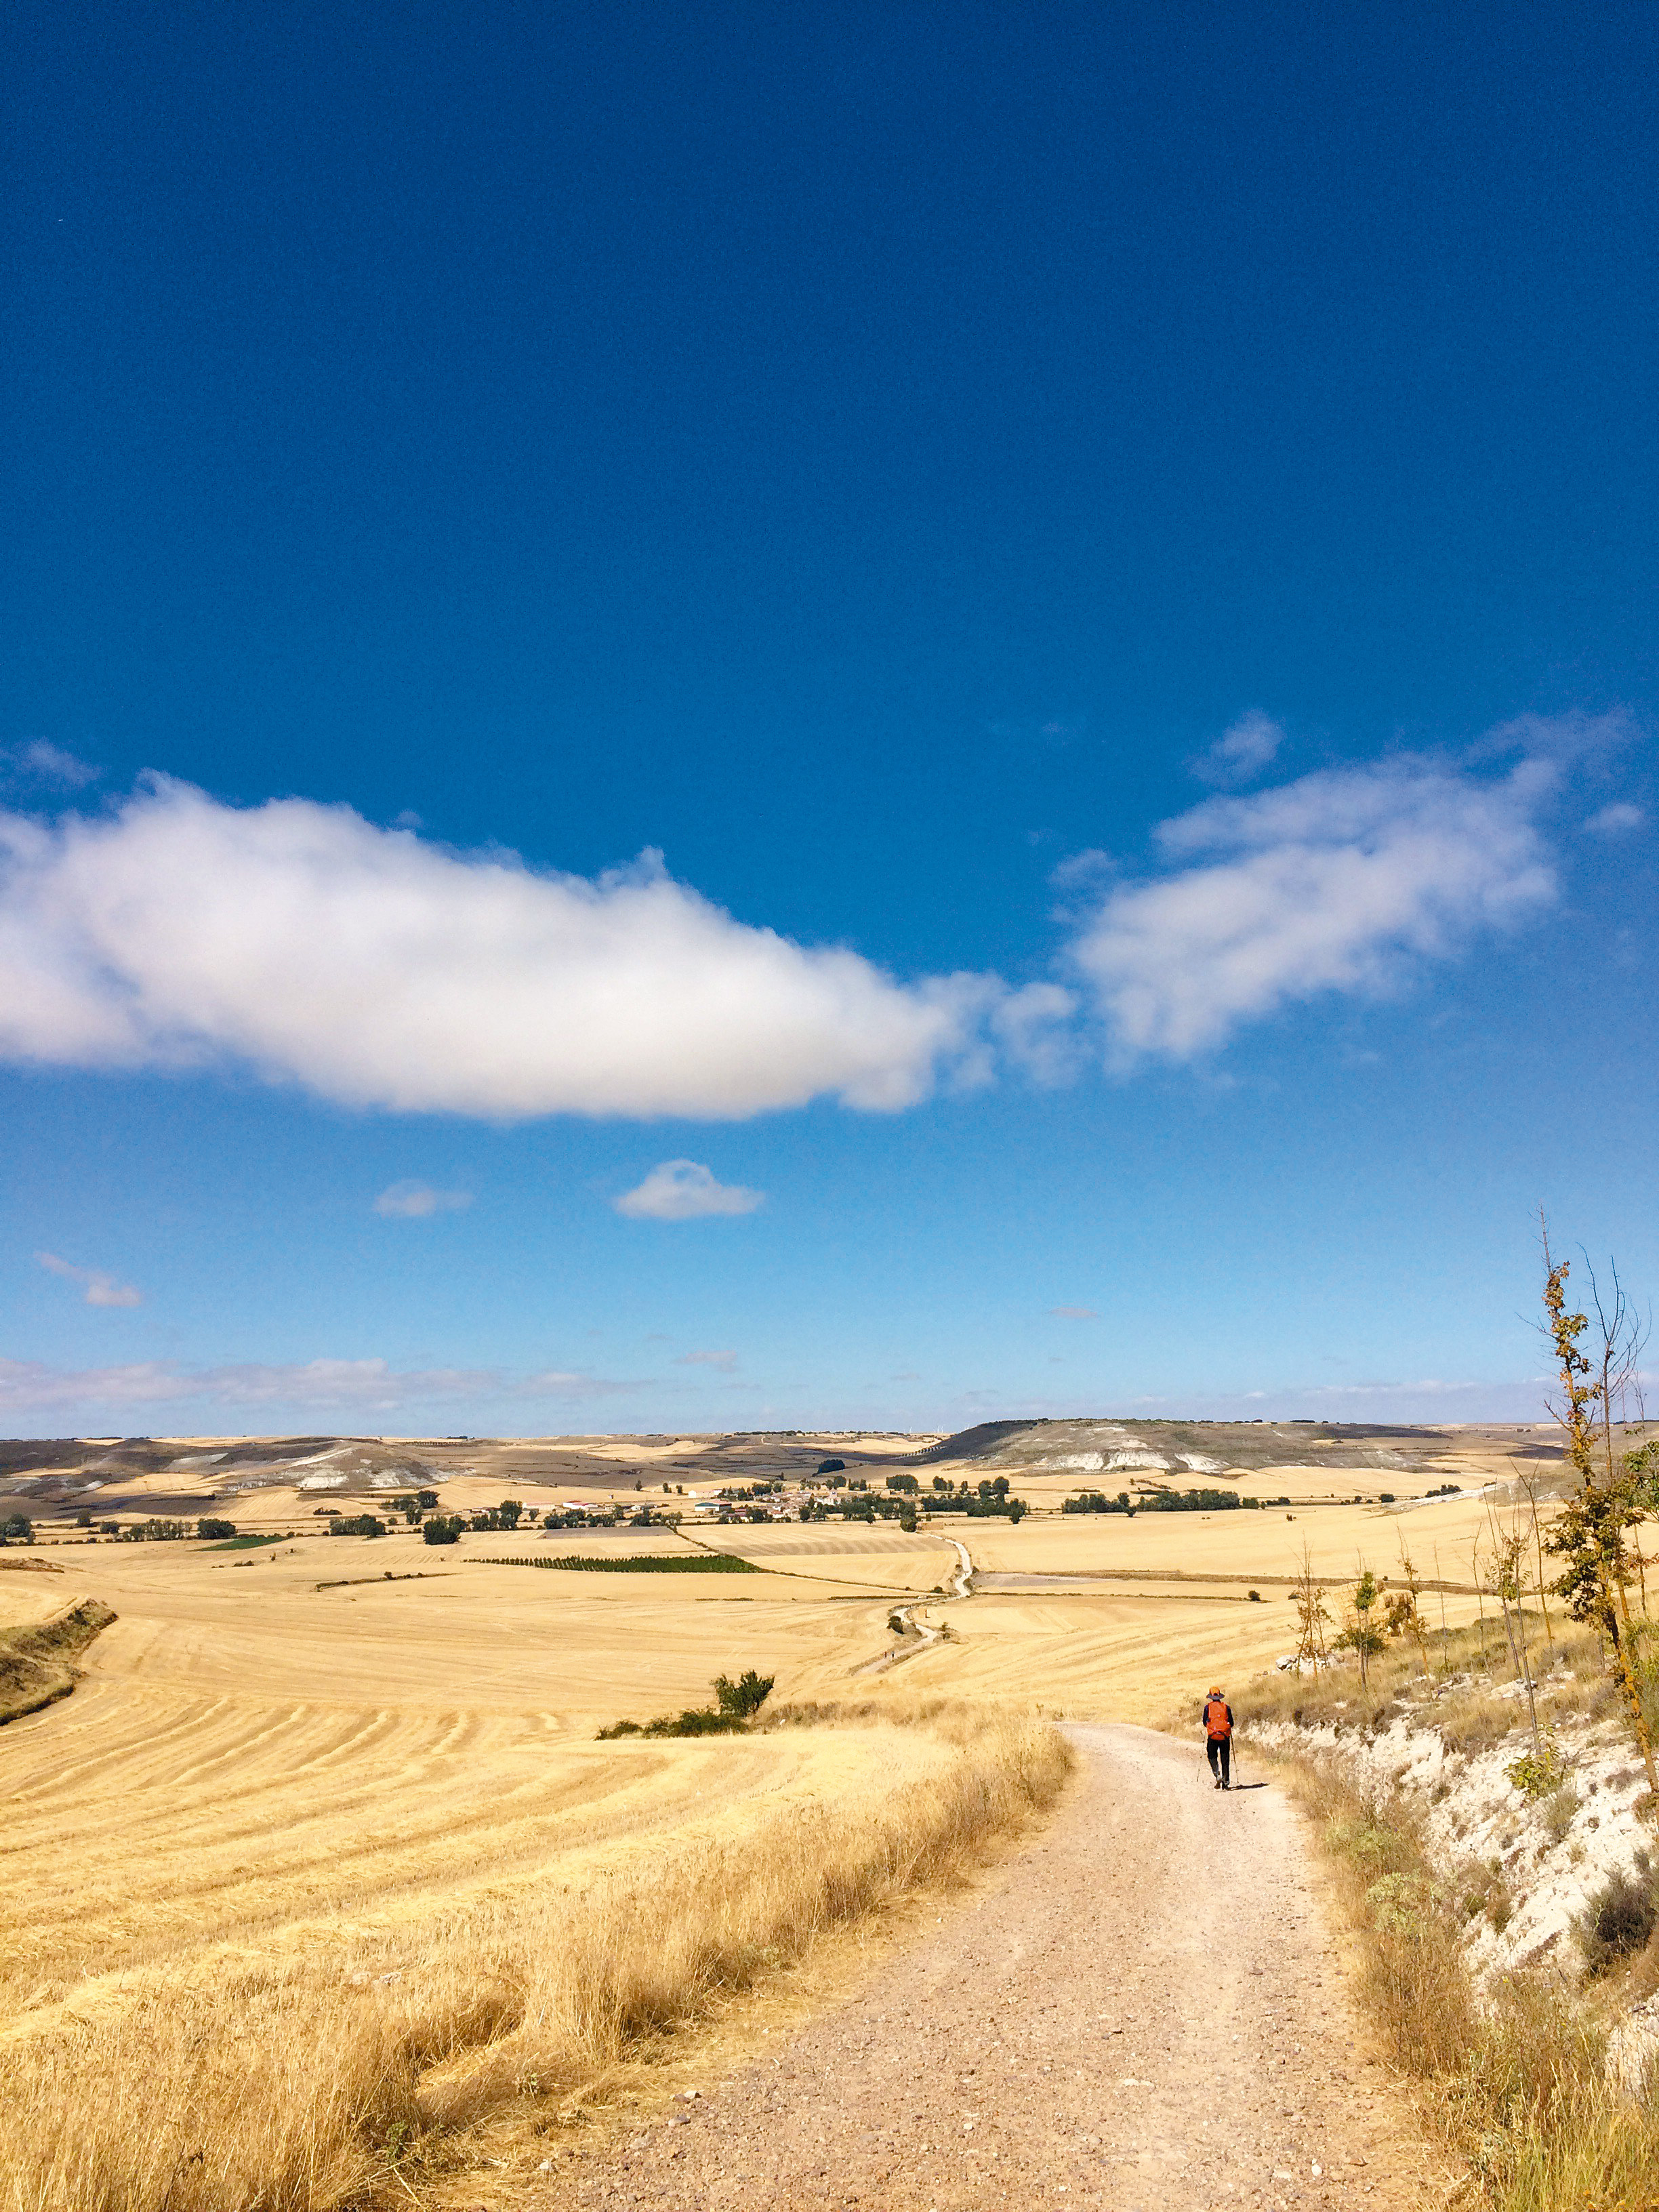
37, 1659
1499, 1871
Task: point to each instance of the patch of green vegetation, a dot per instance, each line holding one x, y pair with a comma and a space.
647, 1563
737, 1703
245, 1543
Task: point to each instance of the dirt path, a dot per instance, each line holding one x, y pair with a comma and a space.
1143, 2011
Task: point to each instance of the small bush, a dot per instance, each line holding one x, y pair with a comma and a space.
1558, 1808
1538, 1773
357, 1524
1618, 1921
745, 1696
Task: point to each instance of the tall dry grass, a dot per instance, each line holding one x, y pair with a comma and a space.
1519, 2079
1458, 1695
264, 2081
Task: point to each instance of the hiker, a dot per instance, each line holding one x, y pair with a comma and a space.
1218, 1738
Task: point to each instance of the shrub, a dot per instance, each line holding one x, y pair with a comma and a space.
831, 1465
440, 1530
1537, 1773
216, 1528
746, 1695
357, 1524
1618, 1921
19, 1529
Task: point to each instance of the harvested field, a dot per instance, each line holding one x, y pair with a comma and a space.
344, 1793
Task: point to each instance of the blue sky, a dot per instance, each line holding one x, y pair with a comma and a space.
820, 716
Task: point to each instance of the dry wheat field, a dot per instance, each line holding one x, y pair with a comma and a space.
321, 1869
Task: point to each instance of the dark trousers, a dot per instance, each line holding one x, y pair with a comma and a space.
1221, 1759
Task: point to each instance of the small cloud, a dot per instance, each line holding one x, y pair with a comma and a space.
906, 1375
560, 1382
681, 1190
1082, 870
1074, 1313
418, 1201
1055, 730
409, 819
1613, 821
1242, 750
724, 1362
98, 1288
39, 761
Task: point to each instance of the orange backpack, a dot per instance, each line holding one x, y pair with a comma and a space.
1217, 1726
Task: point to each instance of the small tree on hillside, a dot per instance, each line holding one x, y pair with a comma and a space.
1588, 1533
739, 1701
1311, 1617
1362, 1635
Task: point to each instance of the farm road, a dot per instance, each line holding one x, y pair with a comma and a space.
1144, 2010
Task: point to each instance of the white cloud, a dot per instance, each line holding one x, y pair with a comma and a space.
317, 1387
1033, 1029
418, 1201
725, 1362
1074, 1313
98, 1288
560, 1382
681, 1190
1614, 819
1242, 750
379, 970
1327, 883
41, 761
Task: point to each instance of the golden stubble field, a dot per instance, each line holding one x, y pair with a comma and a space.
292, 1792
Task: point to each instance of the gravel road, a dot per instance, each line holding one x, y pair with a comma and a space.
1144, 2010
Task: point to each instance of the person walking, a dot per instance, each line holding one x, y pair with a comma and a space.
1218, 1738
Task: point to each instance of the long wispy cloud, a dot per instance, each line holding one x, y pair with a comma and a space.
31, 1388
97, 1287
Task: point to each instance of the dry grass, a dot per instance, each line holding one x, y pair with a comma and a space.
1459, 1696
1520, 2085
290, 2076
37, 1658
